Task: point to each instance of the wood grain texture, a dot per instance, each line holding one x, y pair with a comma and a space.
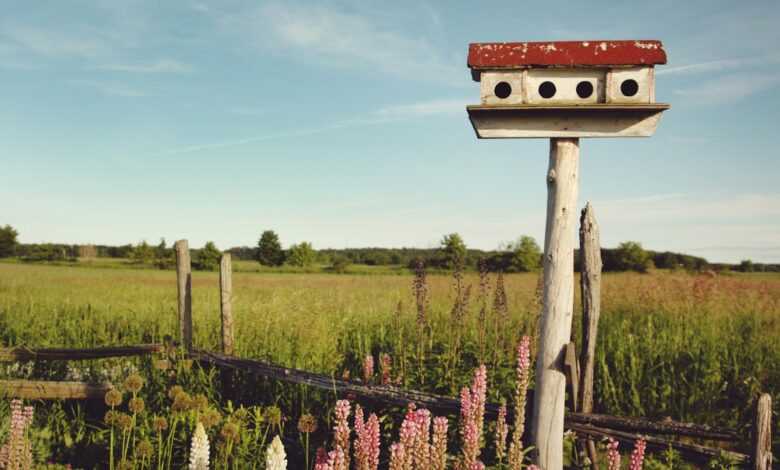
22, 353
226, 306
557, 302
45, 390
762, 434
184, 283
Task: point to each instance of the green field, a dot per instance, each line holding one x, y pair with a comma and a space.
689, 347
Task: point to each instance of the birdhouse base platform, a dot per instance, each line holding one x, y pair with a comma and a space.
597, 120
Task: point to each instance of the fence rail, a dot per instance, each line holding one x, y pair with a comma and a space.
23, 353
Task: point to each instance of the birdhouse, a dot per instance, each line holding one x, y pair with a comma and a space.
566, 89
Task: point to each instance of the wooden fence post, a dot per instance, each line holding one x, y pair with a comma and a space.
762, 434
558, 303
226, 307
184, 281
590, 285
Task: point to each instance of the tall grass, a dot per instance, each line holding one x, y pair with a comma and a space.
689, 347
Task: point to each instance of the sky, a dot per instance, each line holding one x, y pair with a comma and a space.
344, 124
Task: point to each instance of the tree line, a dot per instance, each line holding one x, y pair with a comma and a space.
522, 255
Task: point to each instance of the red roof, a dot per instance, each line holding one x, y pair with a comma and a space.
509, 55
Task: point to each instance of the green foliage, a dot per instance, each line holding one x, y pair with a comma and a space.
630, 256
302, 255
269, 249
527, 255
339, 264
453, 250
143, 253
207, 258
746, 266
46, 252
8, 241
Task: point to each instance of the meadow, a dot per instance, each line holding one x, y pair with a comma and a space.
671, 344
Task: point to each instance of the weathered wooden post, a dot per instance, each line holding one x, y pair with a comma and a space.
762, 433
590, 287
563, 91
226, 298
184, 282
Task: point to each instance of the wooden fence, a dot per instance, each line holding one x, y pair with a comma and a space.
659, 435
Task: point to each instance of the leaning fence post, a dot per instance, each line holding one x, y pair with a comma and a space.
590, 285
184, 281
226, 308
762, 434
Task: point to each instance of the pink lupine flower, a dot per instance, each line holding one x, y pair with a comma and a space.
386, 366
16, 454
439, 447
501, 433
341, 432
533, 467
397, 457
422, 447
613, 456
408, 436
638, 455
367, 442
477, 466
523, 377
472, 413
368, 368
321, 460
337, 460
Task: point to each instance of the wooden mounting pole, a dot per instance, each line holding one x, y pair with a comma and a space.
226, 308
590, 286
558, 302
184, 282
762, 433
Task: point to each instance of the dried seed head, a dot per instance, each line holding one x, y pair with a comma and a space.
136, 405
210, 418
159, 423
144, 449
307, 423
113, 398
133, 383
174, 391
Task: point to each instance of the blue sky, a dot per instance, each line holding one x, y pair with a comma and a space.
343, 124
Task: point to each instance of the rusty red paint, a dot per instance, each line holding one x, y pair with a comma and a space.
509, 55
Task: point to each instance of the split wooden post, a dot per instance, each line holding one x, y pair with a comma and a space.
184, 282
590, 285
226, 307
762, 434
558, 302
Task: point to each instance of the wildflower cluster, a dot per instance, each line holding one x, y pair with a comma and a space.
16, 454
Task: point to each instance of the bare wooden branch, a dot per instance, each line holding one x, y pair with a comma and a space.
46, 390
22, 353
693, 452
646, 426
184, 282
558, 303
762, 434
590, 287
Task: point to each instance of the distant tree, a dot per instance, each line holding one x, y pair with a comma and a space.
269, 249
527, 255
207, 258
45, 252
8, 241
339, 263
630, 256
453, 249
302, 254
747, 266
143, 253
165, 258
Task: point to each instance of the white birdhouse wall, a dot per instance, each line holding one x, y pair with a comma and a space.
565, 87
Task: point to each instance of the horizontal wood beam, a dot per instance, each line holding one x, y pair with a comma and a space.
398, 396
48, 390
22, 353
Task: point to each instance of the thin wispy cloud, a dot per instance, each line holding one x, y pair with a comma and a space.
424, 108
111, 88
53, 43
159, 66
720, 65
730, 88
384, 115
325, 35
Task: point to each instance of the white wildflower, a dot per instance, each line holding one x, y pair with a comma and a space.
199, 452
275, 458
